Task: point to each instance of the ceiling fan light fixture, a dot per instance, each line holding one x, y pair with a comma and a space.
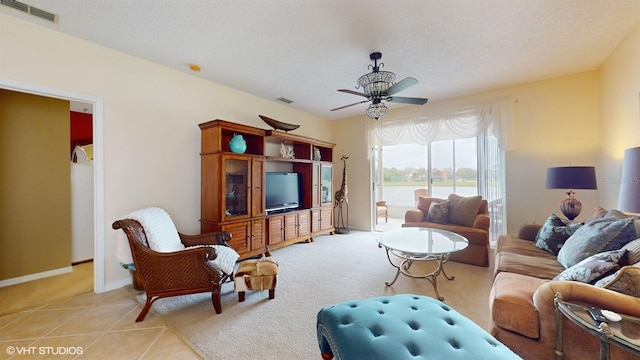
376, 111
377, 82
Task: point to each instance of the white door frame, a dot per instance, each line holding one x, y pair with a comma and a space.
98, 165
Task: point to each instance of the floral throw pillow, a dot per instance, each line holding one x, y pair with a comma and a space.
553, 233
439, 212
595, 267
626, 281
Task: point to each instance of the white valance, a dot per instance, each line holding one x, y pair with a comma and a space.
457, 124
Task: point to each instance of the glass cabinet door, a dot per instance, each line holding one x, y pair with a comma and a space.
326, 175
236, 185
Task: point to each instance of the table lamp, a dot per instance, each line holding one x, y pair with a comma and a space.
571, 177
629, 196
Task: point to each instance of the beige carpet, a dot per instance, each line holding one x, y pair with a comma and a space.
333, 269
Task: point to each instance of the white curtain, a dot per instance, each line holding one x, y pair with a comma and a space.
457, 124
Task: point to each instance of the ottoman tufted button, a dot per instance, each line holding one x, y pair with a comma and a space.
412, 326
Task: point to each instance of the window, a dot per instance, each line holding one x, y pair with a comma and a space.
460, 152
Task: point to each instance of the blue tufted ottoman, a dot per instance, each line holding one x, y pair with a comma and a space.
403, 327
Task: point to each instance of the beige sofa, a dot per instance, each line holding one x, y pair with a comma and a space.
522, 300
477, 253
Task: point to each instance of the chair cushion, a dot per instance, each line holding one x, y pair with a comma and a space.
160, 230
463, 210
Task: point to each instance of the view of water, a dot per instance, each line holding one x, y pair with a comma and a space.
403, 196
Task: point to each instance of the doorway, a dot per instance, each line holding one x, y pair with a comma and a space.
98, 170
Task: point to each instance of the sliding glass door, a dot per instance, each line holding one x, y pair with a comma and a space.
454, 168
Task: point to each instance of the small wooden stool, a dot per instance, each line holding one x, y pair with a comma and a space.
256, 274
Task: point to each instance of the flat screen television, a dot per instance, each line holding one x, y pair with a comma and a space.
282, 191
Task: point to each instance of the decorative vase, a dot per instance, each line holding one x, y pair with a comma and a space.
237, 144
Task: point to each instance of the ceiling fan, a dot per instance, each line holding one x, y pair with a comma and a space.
379, 86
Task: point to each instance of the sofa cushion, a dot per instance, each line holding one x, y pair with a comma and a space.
626, 281
511, 303
595, 267
633, 251
594, 237
473, 235
463, 210
553, 234
439, 212
536, 266
617, 215
597, 213
508, 243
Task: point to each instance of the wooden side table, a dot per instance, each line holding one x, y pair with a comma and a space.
616, 333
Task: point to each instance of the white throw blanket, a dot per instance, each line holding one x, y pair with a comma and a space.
161, 233
163, 236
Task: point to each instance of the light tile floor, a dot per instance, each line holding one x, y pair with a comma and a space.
89, 326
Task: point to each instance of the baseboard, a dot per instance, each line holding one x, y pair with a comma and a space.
117, 284
36, 276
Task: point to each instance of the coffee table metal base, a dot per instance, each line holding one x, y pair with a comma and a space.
409, 259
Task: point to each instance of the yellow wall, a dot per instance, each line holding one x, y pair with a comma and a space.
619, 113
35, 205
151, 117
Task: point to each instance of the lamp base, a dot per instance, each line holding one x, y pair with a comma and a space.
570, 206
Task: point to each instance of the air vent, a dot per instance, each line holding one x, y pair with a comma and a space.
42, 14
16, 5
25, 8
284, 100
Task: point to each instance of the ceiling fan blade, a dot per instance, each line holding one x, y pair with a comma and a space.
403, 84
407, 100
353, 92
346, 106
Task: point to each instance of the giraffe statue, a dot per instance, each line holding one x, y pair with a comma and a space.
341, 195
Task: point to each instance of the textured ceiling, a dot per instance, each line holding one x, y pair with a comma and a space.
305, 50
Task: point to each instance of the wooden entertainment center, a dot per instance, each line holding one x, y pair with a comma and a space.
233, 187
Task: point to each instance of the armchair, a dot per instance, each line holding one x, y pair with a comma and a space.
170, 263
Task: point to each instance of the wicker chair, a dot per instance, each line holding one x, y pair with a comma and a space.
182, 272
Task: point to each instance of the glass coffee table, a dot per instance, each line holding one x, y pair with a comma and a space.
409, 245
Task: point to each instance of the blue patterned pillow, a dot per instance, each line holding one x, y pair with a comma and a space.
595, 237
553, 233
595, 267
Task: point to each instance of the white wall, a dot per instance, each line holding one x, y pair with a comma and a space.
151, 113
